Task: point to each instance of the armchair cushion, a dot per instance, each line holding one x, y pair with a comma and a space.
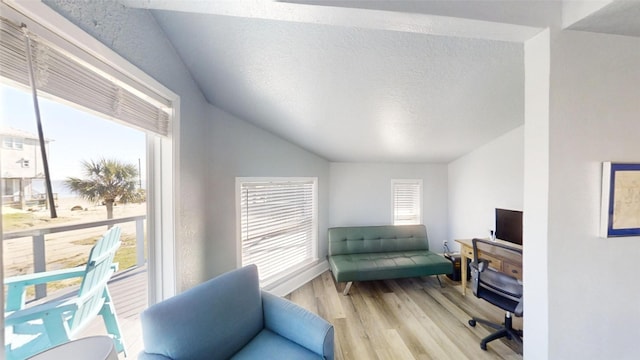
146, 356
268, 345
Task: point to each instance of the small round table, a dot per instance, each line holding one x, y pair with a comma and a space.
89, 348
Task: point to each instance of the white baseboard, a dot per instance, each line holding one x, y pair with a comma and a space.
303, 277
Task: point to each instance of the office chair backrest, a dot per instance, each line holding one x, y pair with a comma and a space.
498, 288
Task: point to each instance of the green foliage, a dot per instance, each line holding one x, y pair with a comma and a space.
140, 196
107, 180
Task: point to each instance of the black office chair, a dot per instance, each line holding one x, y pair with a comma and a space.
500, 289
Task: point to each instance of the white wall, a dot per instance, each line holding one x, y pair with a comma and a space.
215, 147
594, 296
536, 197
489, 177
360, 194
238, 149
136, 36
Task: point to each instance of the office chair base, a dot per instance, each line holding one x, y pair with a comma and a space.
506, 330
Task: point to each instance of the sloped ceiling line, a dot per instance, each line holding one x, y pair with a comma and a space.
379, 83
348, 17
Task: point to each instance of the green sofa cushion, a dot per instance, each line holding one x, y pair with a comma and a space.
389, 265
373, 239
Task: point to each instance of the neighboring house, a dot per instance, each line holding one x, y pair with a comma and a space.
20, 165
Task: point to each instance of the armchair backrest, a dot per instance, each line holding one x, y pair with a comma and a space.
496, 287
212, 320
97, 274
56, 322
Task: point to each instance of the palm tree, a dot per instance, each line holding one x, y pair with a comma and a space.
107, 180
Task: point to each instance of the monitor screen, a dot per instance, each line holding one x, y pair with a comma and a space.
509, 225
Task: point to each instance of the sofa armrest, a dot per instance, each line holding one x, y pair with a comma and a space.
148, 356
298, 325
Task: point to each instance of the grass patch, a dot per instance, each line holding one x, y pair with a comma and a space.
28, 220
16, 221
87, 241
125, 257
126, 254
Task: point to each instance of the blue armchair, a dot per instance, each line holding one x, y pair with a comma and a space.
230, 317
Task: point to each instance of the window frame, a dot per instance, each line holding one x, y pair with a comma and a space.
12, 143
162, 151
415, 181
285, 273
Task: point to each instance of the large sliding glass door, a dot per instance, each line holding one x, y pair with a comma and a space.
99, 114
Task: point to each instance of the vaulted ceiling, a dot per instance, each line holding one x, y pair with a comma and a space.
371, 81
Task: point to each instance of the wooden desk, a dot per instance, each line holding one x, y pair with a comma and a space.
498, 258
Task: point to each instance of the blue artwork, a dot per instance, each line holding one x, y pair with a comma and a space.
620, 199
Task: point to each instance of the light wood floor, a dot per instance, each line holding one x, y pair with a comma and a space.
394, 319
405, 319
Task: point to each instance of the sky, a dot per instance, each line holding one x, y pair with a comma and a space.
76, 135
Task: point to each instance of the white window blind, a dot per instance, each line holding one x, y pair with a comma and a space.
87, 82
406, 201
278, 225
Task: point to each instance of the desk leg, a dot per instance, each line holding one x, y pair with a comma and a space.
463, 271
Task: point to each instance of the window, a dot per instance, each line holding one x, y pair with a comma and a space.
10, 187
406, 201
73, 68
277, 225
12, 143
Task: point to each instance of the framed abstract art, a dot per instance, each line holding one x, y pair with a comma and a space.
620, 213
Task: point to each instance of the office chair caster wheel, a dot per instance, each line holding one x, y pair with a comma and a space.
472, 323
483, 347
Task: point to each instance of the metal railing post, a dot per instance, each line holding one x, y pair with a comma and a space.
39, 263
139, 242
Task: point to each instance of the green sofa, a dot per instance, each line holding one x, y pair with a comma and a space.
361, 253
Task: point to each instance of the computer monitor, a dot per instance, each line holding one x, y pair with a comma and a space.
509, 225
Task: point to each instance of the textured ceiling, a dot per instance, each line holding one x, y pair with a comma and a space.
351, 94
620, 18
366, 81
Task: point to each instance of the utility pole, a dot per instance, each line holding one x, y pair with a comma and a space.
43, 150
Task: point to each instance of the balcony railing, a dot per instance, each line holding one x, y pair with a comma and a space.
38, 240
34, 200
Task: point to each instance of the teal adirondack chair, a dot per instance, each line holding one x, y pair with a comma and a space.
34, 329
